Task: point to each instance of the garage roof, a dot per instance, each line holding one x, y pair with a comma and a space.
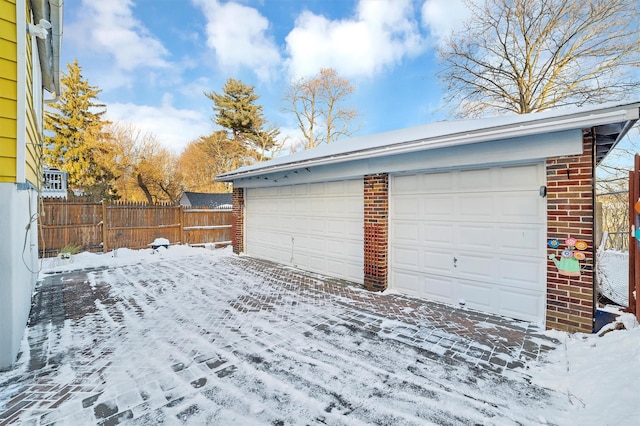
611, 122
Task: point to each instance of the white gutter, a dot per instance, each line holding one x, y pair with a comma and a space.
49, 47
580, 121
56, 14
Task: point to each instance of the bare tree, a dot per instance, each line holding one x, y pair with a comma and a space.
318, 105
530, 55
144, 169
612, 187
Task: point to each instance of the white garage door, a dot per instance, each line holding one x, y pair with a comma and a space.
472, 236
316, 227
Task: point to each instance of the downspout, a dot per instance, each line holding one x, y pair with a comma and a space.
49, 48
56, 44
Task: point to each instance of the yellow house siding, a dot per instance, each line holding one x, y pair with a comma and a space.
33, 172
8, 91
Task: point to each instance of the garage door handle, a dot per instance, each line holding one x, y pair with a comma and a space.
455, 262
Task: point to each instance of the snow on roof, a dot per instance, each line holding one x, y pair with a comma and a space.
449, 133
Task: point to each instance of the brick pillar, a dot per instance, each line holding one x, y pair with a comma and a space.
376, 227
237, 220
570, 211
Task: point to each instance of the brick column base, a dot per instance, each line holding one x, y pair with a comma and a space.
237, 220
376, 230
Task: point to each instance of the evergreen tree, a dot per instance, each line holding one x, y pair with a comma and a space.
236, 110
75, 136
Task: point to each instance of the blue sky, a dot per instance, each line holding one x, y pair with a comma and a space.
153, 59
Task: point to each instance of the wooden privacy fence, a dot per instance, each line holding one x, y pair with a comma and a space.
103, 226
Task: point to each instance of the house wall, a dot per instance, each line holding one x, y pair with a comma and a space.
34, 133
19, 266
8, 91
20, 176
570, 211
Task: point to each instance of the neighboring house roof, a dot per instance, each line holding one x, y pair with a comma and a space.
202, 199
611, 121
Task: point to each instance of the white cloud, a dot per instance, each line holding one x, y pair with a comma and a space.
173, 127
444, 16
239, 36
109, 27
380, 35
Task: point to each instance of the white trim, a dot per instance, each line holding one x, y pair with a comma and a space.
21, 130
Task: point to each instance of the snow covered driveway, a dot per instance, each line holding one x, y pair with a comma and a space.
213, 338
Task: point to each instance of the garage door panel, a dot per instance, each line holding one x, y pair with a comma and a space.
436, 262
523, 240
519, 177
438, 206
477, 295
474, 180
302, 223
319, 229
478, 237
354, 208
407, 257
354, 229
437, 234
406, 184
318, 205
521, 207
407, 283
492, 220
439, 288
435, 182
404, 232
477, 207
525, 305
520, 272
406, 207
476, 266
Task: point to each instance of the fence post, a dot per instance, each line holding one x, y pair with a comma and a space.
182, 241
104, 226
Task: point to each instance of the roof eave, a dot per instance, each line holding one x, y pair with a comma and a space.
626, 114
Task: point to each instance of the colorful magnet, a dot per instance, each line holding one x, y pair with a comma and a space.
567, 254
581, 245
554, 243
637, 234
637, 207
579, 256
570, 242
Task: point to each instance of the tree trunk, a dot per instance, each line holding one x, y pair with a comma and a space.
144, 188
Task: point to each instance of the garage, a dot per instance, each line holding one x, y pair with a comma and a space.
477, 212
315, 226
474, 237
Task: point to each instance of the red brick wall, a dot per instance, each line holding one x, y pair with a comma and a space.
376, 225
237, 220
570, 211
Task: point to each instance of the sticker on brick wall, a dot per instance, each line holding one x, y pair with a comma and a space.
569, 262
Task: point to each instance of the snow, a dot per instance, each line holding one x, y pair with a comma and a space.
265, 371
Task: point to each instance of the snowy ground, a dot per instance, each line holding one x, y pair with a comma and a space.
196, 336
